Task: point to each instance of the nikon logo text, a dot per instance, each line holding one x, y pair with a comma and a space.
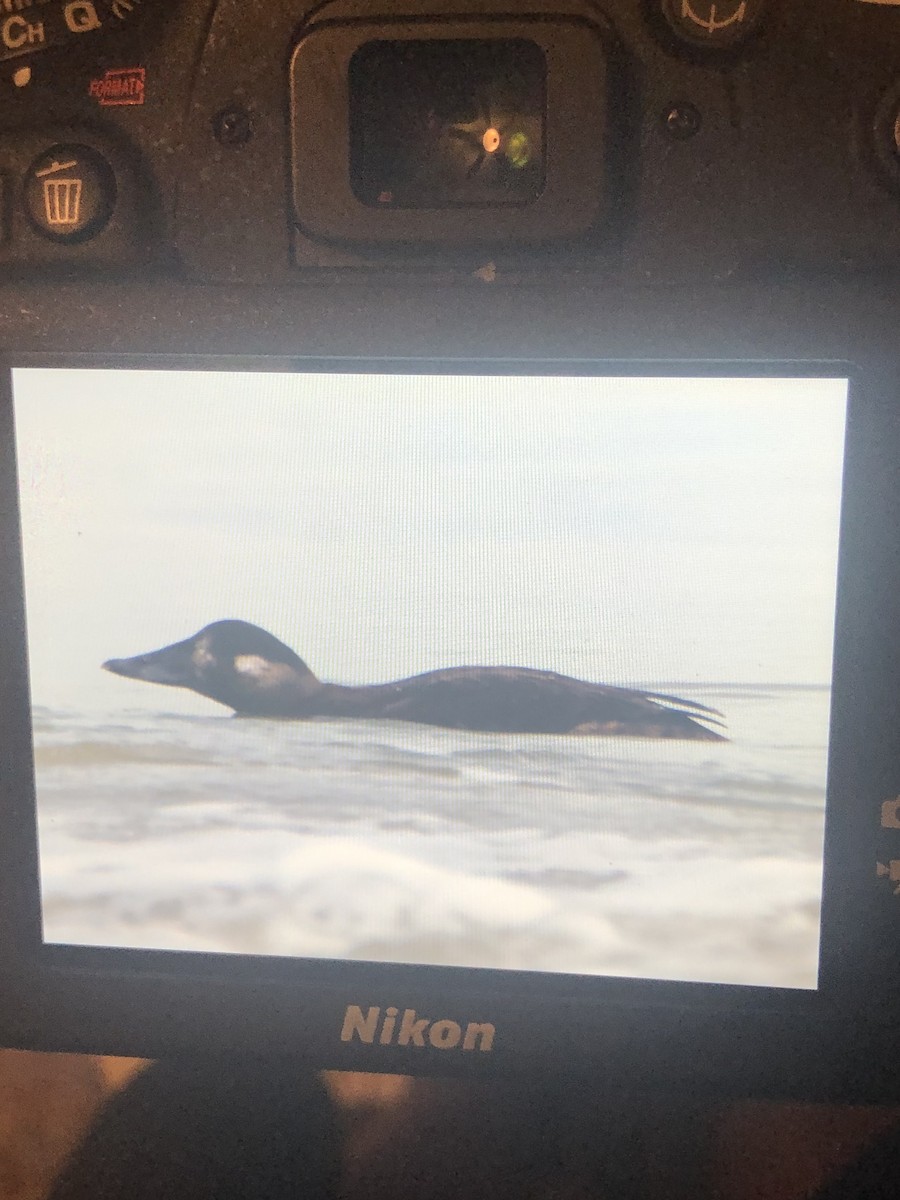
409, 1029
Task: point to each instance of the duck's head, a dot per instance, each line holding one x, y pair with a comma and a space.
233, 662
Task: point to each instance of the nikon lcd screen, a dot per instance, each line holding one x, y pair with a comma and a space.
533, 672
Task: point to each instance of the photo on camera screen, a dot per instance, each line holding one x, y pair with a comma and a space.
512, 672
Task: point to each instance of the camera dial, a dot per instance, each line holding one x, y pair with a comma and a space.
716, 25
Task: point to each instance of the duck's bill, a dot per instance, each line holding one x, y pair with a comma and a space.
171, 665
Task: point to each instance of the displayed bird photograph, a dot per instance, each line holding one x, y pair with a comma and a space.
512, 671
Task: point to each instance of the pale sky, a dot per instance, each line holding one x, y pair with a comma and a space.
622, 530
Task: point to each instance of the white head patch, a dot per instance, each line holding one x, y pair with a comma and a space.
253, 665
202, 656
261, 673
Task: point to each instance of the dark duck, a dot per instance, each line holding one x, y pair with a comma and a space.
249, 670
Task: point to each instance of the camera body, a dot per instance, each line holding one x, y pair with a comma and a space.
685, 144
651, 187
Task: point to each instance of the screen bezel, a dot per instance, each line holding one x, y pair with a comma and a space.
130, 978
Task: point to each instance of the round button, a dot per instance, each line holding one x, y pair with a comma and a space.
716, 25
887, 137
681, 121
69, 193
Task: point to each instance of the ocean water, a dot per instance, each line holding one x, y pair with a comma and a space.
379, 840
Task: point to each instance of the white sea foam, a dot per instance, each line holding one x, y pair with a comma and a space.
394, 842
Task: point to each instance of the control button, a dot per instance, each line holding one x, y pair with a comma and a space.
893, 129
890, 814
894, 135
681, 121
70, 193
887, 137
890, 871
712, 24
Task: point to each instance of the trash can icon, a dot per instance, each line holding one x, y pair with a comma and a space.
62, 195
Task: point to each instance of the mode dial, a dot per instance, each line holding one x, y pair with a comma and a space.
715, 25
